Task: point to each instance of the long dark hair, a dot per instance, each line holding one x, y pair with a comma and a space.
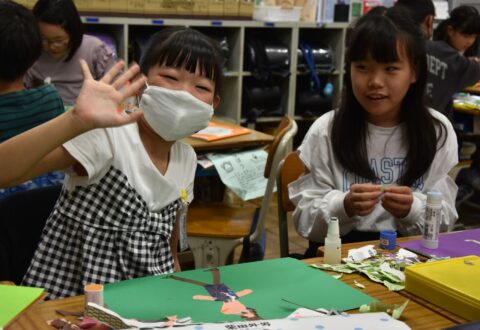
464, 19
379, 36
65, 14
184, 47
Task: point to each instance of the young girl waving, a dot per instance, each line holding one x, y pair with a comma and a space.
116, 216
371, 162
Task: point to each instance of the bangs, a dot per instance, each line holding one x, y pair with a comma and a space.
374, 38
191, 53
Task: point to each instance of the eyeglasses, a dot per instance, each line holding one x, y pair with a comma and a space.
55, 43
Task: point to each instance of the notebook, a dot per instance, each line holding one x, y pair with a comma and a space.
216, 131
453, 244
14, 300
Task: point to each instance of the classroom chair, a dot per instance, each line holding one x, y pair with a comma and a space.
215, 229
289, 169
22, 218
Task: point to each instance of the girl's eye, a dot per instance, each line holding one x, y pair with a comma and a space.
204, 88
392, 68
362, 67
166, 76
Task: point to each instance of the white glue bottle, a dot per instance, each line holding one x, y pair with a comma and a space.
333, 244
433, 219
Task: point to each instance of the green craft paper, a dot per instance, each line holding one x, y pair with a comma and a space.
14, 299
154, 297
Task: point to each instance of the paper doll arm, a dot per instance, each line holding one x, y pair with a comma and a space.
201, 297
243, 292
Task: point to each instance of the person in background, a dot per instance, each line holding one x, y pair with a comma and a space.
64, 44
450, 71
420, 11
371, 162
22, 109
116, 217
461, 31
450, 67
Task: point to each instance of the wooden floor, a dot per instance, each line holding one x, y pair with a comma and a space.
297, 244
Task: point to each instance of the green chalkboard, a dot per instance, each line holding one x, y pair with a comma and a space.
154, 297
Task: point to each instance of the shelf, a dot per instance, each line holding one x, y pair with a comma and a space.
131, 33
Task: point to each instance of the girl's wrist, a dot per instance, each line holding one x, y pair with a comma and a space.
76, 124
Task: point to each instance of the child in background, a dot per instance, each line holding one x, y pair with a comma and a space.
22, 109
116, 216
64, 44
371, 162
452, 58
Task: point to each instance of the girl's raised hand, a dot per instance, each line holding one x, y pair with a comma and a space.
361, 199
99, 101
397, 200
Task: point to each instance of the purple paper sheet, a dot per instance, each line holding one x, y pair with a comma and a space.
450, 245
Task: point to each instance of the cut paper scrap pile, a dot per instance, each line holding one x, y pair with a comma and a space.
386, 269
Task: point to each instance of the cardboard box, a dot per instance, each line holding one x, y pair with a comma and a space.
101, 6
184, 7
82, 5
245, 8
200, 8
168, 7
119, 6
215, 8
230, 8
136, 7
152, 7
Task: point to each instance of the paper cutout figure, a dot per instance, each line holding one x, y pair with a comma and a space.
220, 292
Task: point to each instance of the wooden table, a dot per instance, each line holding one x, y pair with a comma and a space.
419, 313
255, 138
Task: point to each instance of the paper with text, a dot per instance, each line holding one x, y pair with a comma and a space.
242, 172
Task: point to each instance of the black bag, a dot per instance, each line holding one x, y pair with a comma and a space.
314, 97
261, 98
322, 56
265, 58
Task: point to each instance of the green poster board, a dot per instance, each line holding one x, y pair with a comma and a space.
14, 300
155, 297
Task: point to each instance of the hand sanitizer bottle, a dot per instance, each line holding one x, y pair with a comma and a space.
433, 219
333, 243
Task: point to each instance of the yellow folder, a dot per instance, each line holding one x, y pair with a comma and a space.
452, 284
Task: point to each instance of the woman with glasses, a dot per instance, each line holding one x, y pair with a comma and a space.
64, 44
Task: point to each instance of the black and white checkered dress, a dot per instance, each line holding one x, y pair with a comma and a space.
101, 233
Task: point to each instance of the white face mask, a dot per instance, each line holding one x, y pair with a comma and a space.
174, 114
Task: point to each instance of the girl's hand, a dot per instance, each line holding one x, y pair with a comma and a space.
99, 101
361, 199
397, 200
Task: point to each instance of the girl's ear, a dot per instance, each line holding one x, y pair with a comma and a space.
216, 101
414, 76
450, 31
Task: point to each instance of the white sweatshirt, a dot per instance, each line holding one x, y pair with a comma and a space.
319, 195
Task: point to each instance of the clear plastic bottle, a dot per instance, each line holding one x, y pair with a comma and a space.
433, 219
333, 243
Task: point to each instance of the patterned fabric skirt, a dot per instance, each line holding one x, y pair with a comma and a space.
101, 233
